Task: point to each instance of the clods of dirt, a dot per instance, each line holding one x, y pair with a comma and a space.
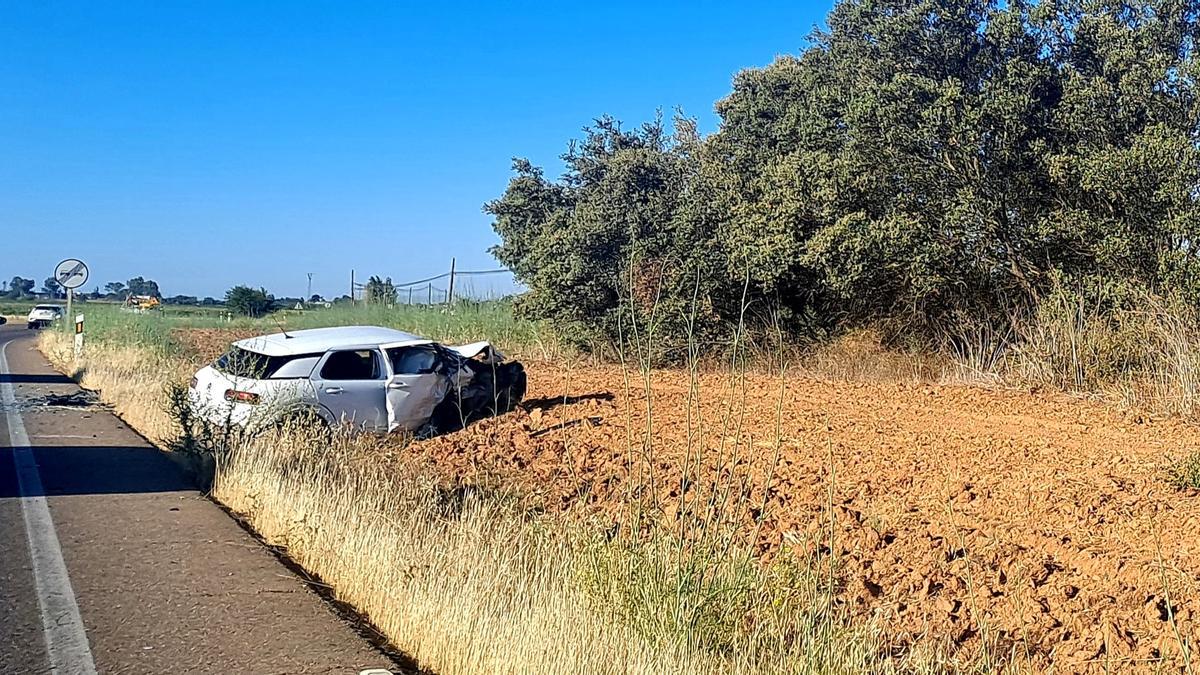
1038, 524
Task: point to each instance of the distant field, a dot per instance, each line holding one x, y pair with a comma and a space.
10, 307
465, 322
15, 307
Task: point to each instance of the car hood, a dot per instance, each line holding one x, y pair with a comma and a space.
483, 351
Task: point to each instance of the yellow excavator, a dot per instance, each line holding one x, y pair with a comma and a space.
140, 303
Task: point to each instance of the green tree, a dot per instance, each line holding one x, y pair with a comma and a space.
140, 286
51, 287
379, 291
20, 288
248, 301
920, 163
604, 251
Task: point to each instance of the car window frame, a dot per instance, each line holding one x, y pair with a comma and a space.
380, 368
426, 347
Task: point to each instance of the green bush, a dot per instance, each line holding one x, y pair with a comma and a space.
1185, 474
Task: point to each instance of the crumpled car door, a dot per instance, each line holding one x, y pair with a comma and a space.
417, 383
412, 398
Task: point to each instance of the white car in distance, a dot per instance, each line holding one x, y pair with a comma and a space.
365, 377
43, 315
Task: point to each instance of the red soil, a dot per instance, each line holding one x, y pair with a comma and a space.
1038, 522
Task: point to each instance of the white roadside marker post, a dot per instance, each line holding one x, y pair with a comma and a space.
78, 336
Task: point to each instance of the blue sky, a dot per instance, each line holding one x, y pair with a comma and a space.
209, 144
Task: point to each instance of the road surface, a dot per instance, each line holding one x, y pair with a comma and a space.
110, 562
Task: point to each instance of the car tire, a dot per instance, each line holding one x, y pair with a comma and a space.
511, 384
306, 417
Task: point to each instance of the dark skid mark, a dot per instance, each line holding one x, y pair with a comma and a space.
80, 399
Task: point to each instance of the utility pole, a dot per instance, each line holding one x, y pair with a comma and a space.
450, 290
429, 288
351, 287
309, 286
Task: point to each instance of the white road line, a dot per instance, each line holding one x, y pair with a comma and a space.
66, 641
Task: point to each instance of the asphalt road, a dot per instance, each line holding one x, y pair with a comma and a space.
110, 562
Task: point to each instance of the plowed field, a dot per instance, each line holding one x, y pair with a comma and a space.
1038, 522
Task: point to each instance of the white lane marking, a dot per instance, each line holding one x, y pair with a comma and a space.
66, 641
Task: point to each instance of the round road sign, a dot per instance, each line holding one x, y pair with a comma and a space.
71, 273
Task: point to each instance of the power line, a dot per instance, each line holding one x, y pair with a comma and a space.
443, 275
499, 271
427, 283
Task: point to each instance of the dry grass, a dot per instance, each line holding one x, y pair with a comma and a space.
469, 581
1141, 353
861, 356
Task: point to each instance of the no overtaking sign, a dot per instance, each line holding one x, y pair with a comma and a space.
71, 273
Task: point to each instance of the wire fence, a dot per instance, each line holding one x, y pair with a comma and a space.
456, 285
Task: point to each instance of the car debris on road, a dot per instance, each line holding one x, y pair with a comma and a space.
364, 377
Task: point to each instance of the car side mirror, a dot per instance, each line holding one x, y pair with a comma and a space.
3, 321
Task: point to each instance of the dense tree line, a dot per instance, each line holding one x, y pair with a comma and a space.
21, 288
921, 163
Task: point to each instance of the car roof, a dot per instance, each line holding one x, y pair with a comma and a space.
319, 340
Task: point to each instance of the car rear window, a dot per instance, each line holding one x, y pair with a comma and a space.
240, 362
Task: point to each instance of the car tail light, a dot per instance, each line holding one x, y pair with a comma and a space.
194, 383
241, 396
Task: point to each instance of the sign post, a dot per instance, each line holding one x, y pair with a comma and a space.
71, 274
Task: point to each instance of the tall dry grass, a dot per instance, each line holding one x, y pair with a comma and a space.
1129, 347
469, 581
1139, 350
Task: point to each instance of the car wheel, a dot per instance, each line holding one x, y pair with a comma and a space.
306, 419
511, 383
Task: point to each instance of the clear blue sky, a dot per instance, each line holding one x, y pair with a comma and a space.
207, 144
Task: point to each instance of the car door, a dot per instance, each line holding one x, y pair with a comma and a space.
416, 385
350, 385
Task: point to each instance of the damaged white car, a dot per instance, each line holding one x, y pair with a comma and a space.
365, 377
